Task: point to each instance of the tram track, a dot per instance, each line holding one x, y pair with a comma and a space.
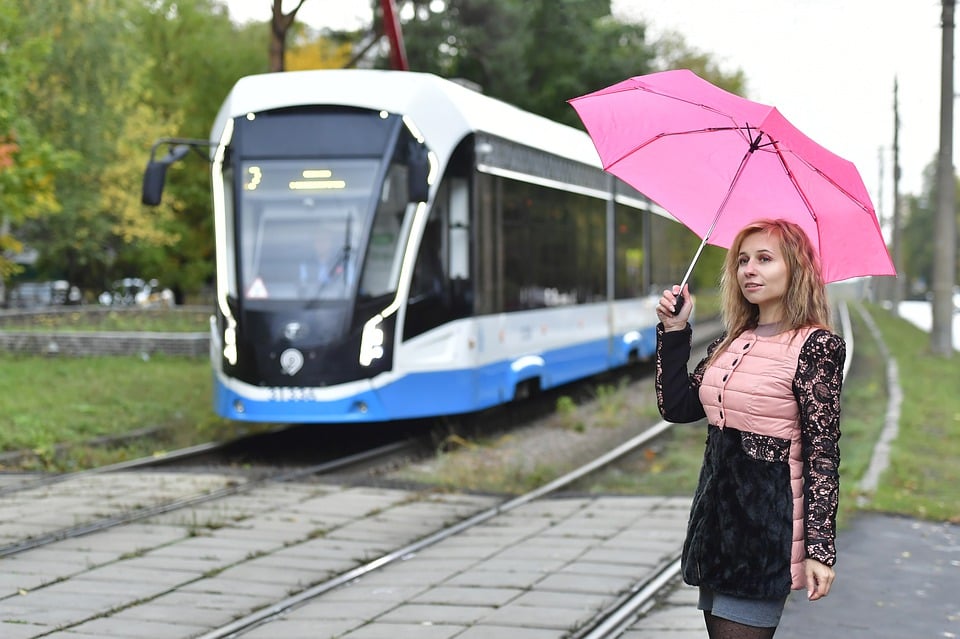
632, 602
49, 479
215, 496
189, 501
240, 626
610, 622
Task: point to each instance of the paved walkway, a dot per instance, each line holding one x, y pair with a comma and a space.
535, 573
897, 578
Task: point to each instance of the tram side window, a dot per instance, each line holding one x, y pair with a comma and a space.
631, 254
671, 245
554, 247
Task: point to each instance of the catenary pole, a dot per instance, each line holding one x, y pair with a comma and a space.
896, 283
944, 241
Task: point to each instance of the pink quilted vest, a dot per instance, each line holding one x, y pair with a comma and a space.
750, 388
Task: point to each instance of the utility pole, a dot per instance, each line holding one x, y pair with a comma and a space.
944, 241
871, 290
896, 284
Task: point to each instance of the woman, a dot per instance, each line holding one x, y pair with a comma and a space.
763, 519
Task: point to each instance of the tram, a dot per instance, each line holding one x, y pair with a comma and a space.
394, 245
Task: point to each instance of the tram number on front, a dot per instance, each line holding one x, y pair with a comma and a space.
292, 394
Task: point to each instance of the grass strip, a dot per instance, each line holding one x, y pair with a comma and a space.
51, 401
923, 475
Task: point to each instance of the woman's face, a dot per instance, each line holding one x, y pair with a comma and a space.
763, 275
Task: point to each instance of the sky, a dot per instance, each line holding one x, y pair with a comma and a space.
827, 65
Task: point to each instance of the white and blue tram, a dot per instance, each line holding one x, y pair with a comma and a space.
394, 245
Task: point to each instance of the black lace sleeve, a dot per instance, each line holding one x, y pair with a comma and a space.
817, 386
677, 390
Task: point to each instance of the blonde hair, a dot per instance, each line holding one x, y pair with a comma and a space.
805, 300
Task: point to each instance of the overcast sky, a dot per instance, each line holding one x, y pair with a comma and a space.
827, 65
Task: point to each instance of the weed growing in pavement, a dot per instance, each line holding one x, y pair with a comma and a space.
567, 414
611, 404
197, 527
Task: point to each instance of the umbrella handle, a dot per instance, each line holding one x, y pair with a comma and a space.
686, 277
678, 304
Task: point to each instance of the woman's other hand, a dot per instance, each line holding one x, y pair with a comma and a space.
667, 304
819, 579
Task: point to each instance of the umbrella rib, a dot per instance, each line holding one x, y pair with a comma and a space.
827, 178
670, 134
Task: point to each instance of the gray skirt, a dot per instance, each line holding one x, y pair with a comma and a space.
761, 613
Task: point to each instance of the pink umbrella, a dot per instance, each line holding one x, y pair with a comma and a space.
717, 162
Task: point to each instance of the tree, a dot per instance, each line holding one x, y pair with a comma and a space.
80, 99
917, 230
312, 50
116, 75
537, 54
280, 24
27, 162
194, 56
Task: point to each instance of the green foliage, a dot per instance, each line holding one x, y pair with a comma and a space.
105, 79
86, 86
537, 54
28, 162
918, 228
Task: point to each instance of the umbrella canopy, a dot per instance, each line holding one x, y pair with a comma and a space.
717, 161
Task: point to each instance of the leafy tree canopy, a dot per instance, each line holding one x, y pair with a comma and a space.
86, 86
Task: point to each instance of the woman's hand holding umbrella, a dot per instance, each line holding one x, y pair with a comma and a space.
672, 317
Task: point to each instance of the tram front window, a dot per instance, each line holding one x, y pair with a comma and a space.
301, 224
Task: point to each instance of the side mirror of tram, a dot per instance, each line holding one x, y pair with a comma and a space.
418, 169
155, 174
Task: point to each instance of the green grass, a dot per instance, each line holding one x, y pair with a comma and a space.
51, 401
101, 319
924, 472
51, 404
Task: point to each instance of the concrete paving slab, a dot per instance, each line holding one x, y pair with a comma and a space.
305, 629
569, 600
404, 631
444, 595
557, 618
489, 631
157, 611
18, 630
121, 627
420, 614
490, 579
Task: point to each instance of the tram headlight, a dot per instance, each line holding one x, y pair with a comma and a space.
230, 344
371, 341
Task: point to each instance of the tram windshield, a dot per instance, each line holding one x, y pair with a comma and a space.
301, 224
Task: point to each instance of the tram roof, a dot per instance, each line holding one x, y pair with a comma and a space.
443, 110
